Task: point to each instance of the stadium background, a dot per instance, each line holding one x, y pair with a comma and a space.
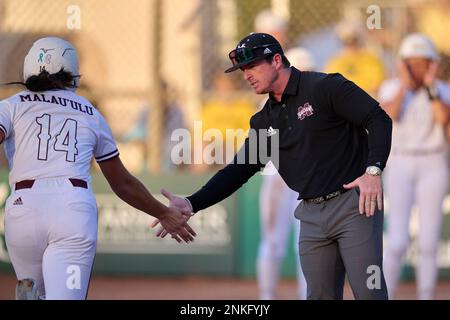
138, 56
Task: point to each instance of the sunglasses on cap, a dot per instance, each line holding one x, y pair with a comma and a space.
246, 55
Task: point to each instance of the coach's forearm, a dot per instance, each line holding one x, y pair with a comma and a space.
379, 126
133, 192
223, 184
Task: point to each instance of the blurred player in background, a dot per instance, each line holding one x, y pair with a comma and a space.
417, 171
269, 22
277, 206
51, 135
433, 19
225, 100
354, 61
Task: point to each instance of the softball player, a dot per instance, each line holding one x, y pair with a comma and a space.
417, 171
50, 135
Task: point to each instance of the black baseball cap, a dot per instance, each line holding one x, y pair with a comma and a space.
254, 47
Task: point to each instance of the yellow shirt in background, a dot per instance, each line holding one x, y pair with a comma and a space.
363, 68
434, 21
228, 114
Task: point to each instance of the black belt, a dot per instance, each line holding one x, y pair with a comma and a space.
326, 197
27, 184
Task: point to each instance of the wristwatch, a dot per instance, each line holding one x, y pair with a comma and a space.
373, 171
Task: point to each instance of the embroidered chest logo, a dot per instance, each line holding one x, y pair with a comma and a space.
305, 111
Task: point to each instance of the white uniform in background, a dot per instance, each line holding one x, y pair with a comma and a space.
416, 174
277, 204
51, 214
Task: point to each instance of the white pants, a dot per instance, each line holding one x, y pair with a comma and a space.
277, 205
51, 236
420, 180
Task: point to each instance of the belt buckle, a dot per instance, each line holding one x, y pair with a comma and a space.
318, 200
326, 197
332, 195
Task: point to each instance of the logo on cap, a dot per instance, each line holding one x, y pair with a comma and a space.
267, 51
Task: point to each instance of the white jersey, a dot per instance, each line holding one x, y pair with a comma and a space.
53, 134
416, 131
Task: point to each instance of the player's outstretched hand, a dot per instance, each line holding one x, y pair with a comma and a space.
175, 223
178, 203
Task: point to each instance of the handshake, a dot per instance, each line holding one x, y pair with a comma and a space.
175, 222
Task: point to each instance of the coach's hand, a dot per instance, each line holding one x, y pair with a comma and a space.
175, 223
371, 193
180, 204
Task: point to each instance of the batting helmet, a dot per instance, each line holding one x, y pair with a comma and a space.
51, 54
418, 45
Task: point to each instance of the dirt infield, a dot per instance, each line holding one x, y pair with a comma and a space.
194, 288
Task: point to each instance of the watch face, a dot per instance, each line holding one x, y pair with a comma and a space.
374, 171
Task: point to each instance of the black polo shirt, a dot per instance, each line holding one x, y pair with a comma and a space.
329, 131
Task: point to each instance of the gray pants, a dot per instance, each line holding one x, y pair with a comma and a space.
336, 239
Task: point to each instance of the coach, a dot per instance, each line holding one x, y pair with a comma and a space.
334, 141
